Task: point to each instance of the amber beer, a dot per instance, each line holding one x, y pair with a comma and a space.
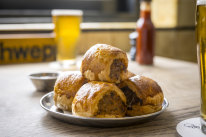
201, 52
67, 30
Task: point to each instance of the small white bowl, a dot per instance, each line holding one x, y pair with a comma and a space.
44, 81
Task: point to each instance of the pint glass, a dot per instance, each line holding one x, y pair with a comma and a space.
201, 52
67, 30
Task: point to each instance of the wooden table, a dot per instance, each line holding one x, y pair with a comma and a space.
21, 114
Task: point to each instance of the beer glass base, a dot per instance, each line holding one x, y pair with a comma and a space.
64, 65
203, 125
190, 128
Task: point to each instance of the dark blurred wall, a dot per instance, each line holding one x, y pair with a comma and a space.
50, 4
94, 10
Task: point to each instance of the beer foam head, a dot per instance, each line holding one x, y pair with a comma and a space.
65, 12
201, 2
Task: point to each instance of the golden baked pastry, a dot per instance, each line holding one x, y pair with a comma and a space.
99, 99
105, 63
66, 86
143, 95
130, 74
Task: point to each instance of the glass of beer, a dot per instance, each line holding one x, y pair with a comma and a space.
67, 31
201, 52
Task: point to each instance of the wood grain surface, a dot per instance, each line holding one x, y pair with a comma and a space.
21, 114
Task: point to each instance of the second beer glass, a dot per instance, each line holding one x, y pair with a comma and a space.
201, 52
67, 30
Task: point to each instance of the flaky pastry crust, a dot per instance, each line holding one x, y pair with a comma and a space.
105, 63
66, 86
143, 94
130, 74
87, 102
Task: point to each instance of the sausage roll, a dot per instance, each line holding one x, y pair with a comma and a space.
105, 63
66, 86
143, 95
99, 99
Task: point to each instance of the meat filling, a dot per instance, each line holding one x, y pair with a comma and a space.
111, 104
132, 98
116, 68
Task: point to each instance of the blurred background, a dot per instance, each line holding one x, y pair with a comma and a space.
104, 21
39, 11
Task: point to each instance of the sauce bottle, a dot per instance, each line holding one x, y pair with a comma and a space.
146, 31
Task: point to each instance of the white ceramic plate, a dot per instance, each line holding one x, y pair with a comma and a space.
47, 103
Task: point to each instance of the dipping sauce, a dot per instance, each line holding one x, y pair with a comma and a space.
146, 31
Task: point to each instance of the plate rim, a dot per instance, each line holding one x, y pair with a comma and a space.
99, 119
